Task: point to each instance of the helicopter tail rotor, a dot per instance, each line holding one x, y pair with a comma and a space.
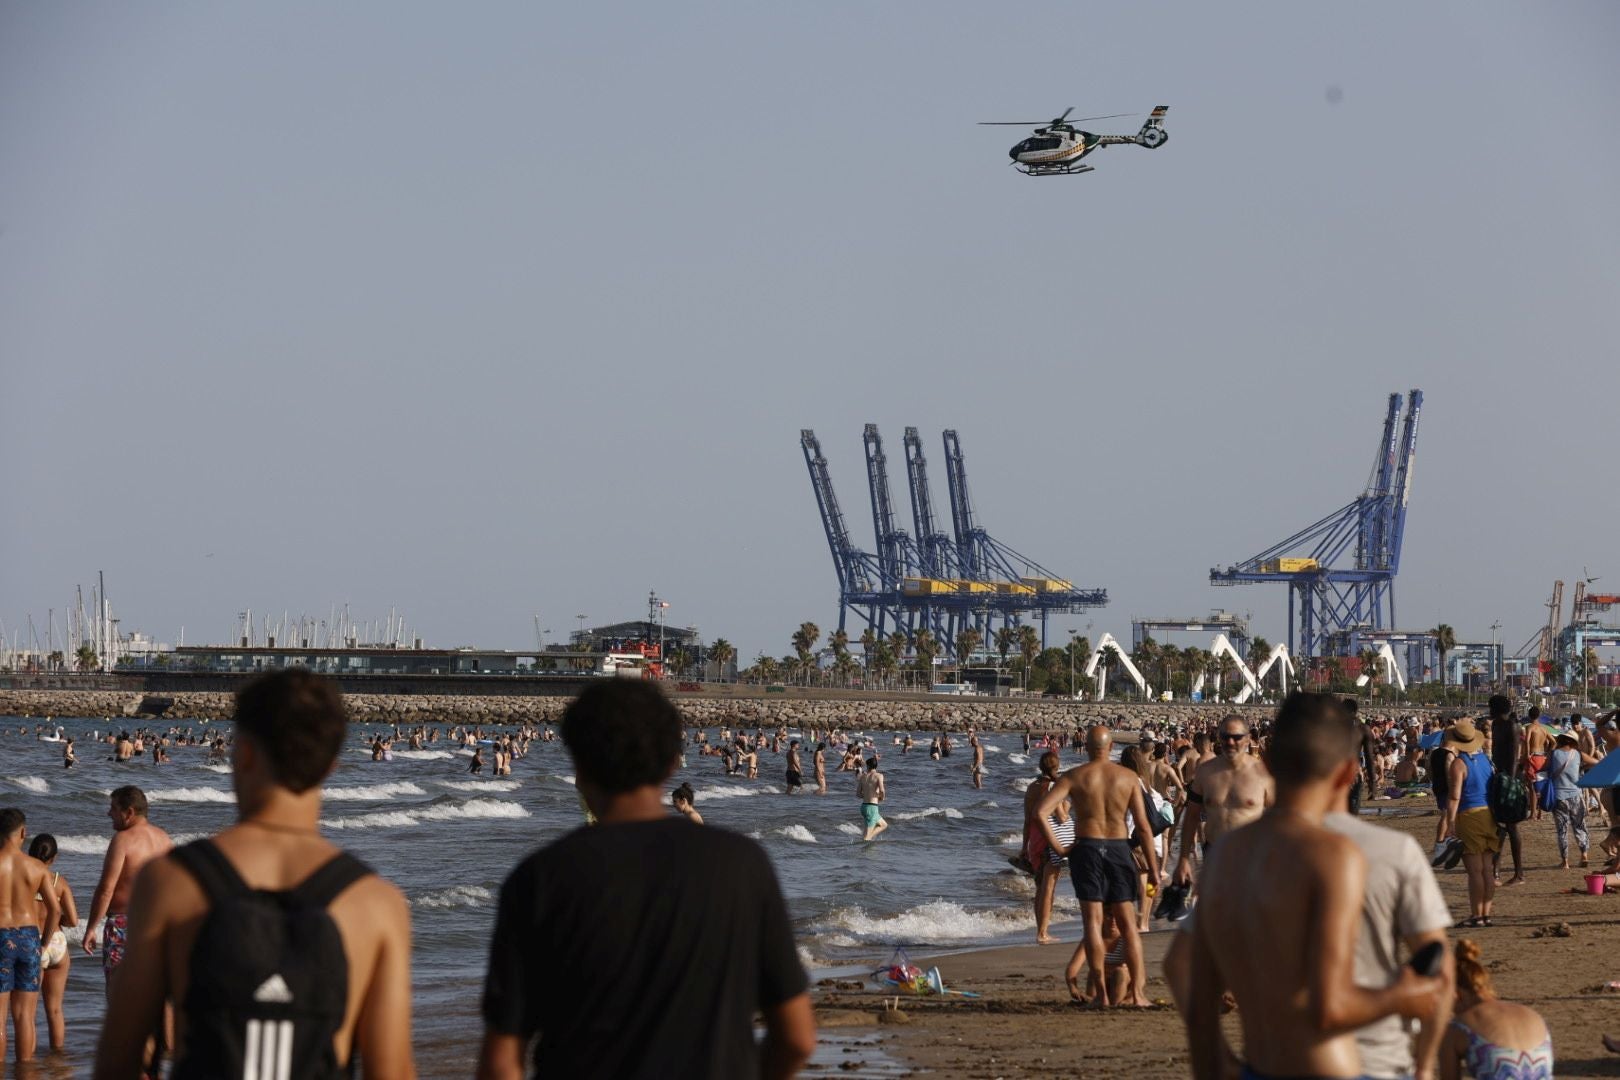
1153, 134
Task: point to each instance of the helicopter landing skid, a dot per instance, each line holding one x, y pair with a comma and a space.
1056, 170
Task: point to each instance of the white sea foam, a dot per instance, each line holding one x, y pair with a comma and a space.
734, 791
456, 896
934, 923
82, 845
479, 785
1012, 839
852, 830
797, 832
933, 811
398, 819
218, 768
1019, 784
97, 845
990, 749
1017, 759
36, 784
421, 755
191, 794
569, 780
371, 792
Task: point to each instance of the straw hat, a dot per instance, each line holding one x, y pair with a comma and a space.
1464, 736
1570, 735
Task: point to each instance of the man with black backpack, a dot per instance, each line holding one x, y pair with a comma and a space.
1509, 796
283, 956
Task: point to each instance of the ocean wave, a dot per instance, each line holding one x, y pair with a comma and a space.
473, 809
569, 780
1021, 783
797, 832
97, 845
950, 812
456, 896
368, 792
990, 749
1012, 839
37, 784
938, 922
478, 785
1017, 759
421, 755
734, 791
191, 794
852, 830
217, 768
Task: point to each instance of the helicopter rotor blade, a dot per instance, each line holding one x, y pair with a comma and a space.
1110, 116
1065, 115
1014, 123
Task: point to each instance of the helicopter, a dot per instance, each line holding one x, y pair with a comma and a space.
1057, 145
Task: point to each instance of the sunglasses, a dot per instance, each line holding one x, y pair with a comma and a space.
1234, 736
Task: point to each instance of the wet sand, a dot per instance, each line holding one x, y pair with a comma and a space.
1022, 1025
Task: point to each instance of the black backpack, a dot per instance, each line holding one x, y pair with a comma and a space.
269, 979
1508, 796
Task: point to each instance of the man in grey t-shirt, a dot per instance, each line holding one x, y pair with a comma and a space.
1402, 905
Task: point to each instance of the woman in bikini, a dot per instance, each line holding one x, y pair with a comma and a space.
54, 957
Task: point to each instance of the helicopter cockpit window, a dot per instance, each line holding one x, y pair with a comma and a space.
1039, 143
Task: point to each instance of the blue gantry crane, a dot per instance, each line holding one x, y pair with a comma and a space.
1340, 571
932, 579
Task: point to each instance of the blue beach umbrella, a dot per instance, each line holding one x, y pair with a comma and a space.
1431, 740
1605, 773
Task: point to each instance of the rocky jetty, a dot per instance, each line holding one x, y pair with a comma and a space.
891, 713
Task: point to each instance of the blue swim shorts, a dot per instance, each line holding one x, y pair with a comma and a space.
19, 959
870, 815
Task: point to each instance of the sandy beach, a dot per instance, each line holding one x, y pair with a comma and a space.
1022, 1024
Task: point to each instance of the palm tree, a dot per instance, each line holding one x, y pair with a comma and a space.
882, 661
1110, 662
1224, 667
1194, 662
1259, 653
1445, 639
844, 667
1369, 667
721, 653
1005, 638
869, 642
680, 661
55, 660
1146, 656
85, 658
1029, 646
926, 648
967, 643
1169, 664
765, 666
839, 641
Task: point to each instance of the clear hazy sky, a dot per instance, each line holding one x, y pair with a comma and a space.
493, 310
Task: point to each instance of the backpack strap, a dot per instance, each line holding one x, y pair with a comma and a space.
324, 885
213, 871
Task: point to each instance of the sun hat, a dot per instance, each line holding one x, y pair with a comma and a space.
1465, 736
1570, 735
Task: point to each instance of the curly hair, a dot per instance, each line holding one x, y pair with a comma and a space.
1471, 974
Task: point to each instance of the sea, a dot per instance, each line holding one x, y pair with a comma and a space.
938, 878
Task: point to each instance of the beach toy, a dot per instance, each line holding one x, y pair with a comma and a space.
1595, 884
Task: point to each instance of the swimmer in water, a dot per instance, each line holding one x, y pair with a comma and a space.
683, 799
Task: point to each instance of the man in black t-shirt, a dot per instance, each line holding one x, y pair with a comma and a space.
644, 945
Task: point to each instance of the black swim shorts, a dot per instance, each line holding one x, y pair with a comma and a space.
1103, 871
795, 778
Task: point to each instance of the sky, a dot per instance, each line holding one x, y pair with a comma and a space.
492, 311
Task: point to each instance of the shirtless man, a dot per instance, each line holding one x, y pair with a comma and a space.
795, 769
978, 759
1538, 747
1281, 914
1100, 794
21, 879
123, 749
136, 842
1228, 791
872, 791
290, 727
820, 762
